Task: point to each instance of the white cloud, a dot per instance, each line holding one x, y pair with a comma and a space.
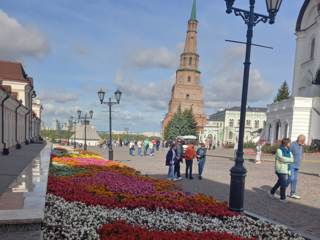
17, 40
58, 96
153, 95
154, 58
225, 88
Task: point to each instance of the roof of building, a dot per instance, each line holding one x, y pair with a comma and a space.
249, 109
92, 134
13, 71
194, 11
301, 15
220, 115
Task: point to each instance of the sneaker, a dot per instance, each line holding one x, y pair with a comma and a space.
200, 177
191, 178
271, 195
179, 178
175, 179
283, 200
294, 196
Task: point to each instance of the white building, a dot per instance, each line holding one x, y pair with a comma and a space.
301, 113
19, 122
88, 132
223, 126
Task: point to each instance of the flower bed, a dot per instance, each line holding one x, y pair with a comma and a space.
89, 197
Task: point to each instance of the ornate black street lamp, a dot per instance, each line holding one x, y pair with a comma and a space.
251, 19
85, 119
74, 122
110, 103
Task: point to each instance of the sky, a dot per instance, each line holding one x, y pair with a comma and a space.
73, 48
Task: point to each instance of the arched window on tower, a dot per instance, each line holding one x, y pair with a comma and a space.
190, 61
189, 79
187, 96
312, 48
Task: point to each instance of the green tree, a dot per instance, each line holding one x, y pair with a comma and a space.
283, 93
181, 124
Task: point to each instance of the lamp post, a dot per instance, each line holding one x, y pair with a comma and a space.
74, 124
110, 103
251, 19
85, 118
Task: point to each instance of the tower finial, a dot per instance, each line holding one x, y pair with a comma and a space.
194, 10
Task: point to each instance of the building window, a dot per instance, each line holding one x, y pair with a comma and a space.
231, 123
230, 135
286, 130
312, 49
14, 95
189, 79
190, 61
238, 122
256, 124
264, 123
187, 96
248, 123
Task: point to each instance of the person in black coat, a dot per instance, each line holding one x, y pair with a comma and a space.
170, 159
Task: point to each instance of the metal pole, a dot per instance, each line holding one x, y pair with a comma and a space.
74, 136
85, 133
238, 172
110, 132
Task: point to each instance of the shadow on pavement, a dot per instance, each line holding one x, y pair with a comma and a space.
301, 218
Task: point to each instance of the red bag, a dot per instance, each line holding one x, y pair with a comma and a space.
190, 153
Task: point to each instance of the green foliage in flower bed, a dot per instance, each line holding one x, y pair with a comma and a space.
250, 145
57, 170
270, 149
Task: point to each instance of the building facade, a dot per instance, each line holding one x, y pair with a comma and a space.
187, 91
223, 126
19, 123
301, 113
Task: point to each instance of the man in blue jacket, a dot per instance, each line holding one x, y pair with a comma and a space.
297, 151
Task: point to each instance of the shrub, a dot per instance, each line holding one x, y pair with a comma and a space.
271, 149
250, 145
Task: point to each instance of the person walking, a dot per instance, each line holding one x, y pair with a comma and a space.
146, 146
170, 158
297, 151
201, 157
131, 148
258, 153
178, 160
283, 158
139, 145
190, 154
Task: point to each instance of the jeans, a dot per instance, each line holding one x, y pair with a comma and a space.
177, 169
140, 151
189, 164
201, 166
293, 180
171, 172
282, 183
132, 151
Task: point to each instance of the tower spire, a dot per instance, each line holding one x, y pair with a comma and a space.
194, 11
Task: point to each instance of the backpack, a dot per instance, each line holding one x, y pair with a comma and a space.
189, 154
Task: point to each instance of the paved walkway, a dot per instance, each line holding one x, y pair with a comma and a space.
13, 164
23, 182
302, 215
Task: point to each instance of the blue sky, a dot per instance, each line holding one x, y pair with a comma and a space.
76, 47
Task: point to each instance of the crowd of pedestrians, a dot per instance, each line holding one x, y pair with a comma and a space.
144, 148
179, 153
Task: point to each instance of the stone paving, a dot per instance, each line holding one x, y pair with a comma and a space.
302, 215
22, 192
